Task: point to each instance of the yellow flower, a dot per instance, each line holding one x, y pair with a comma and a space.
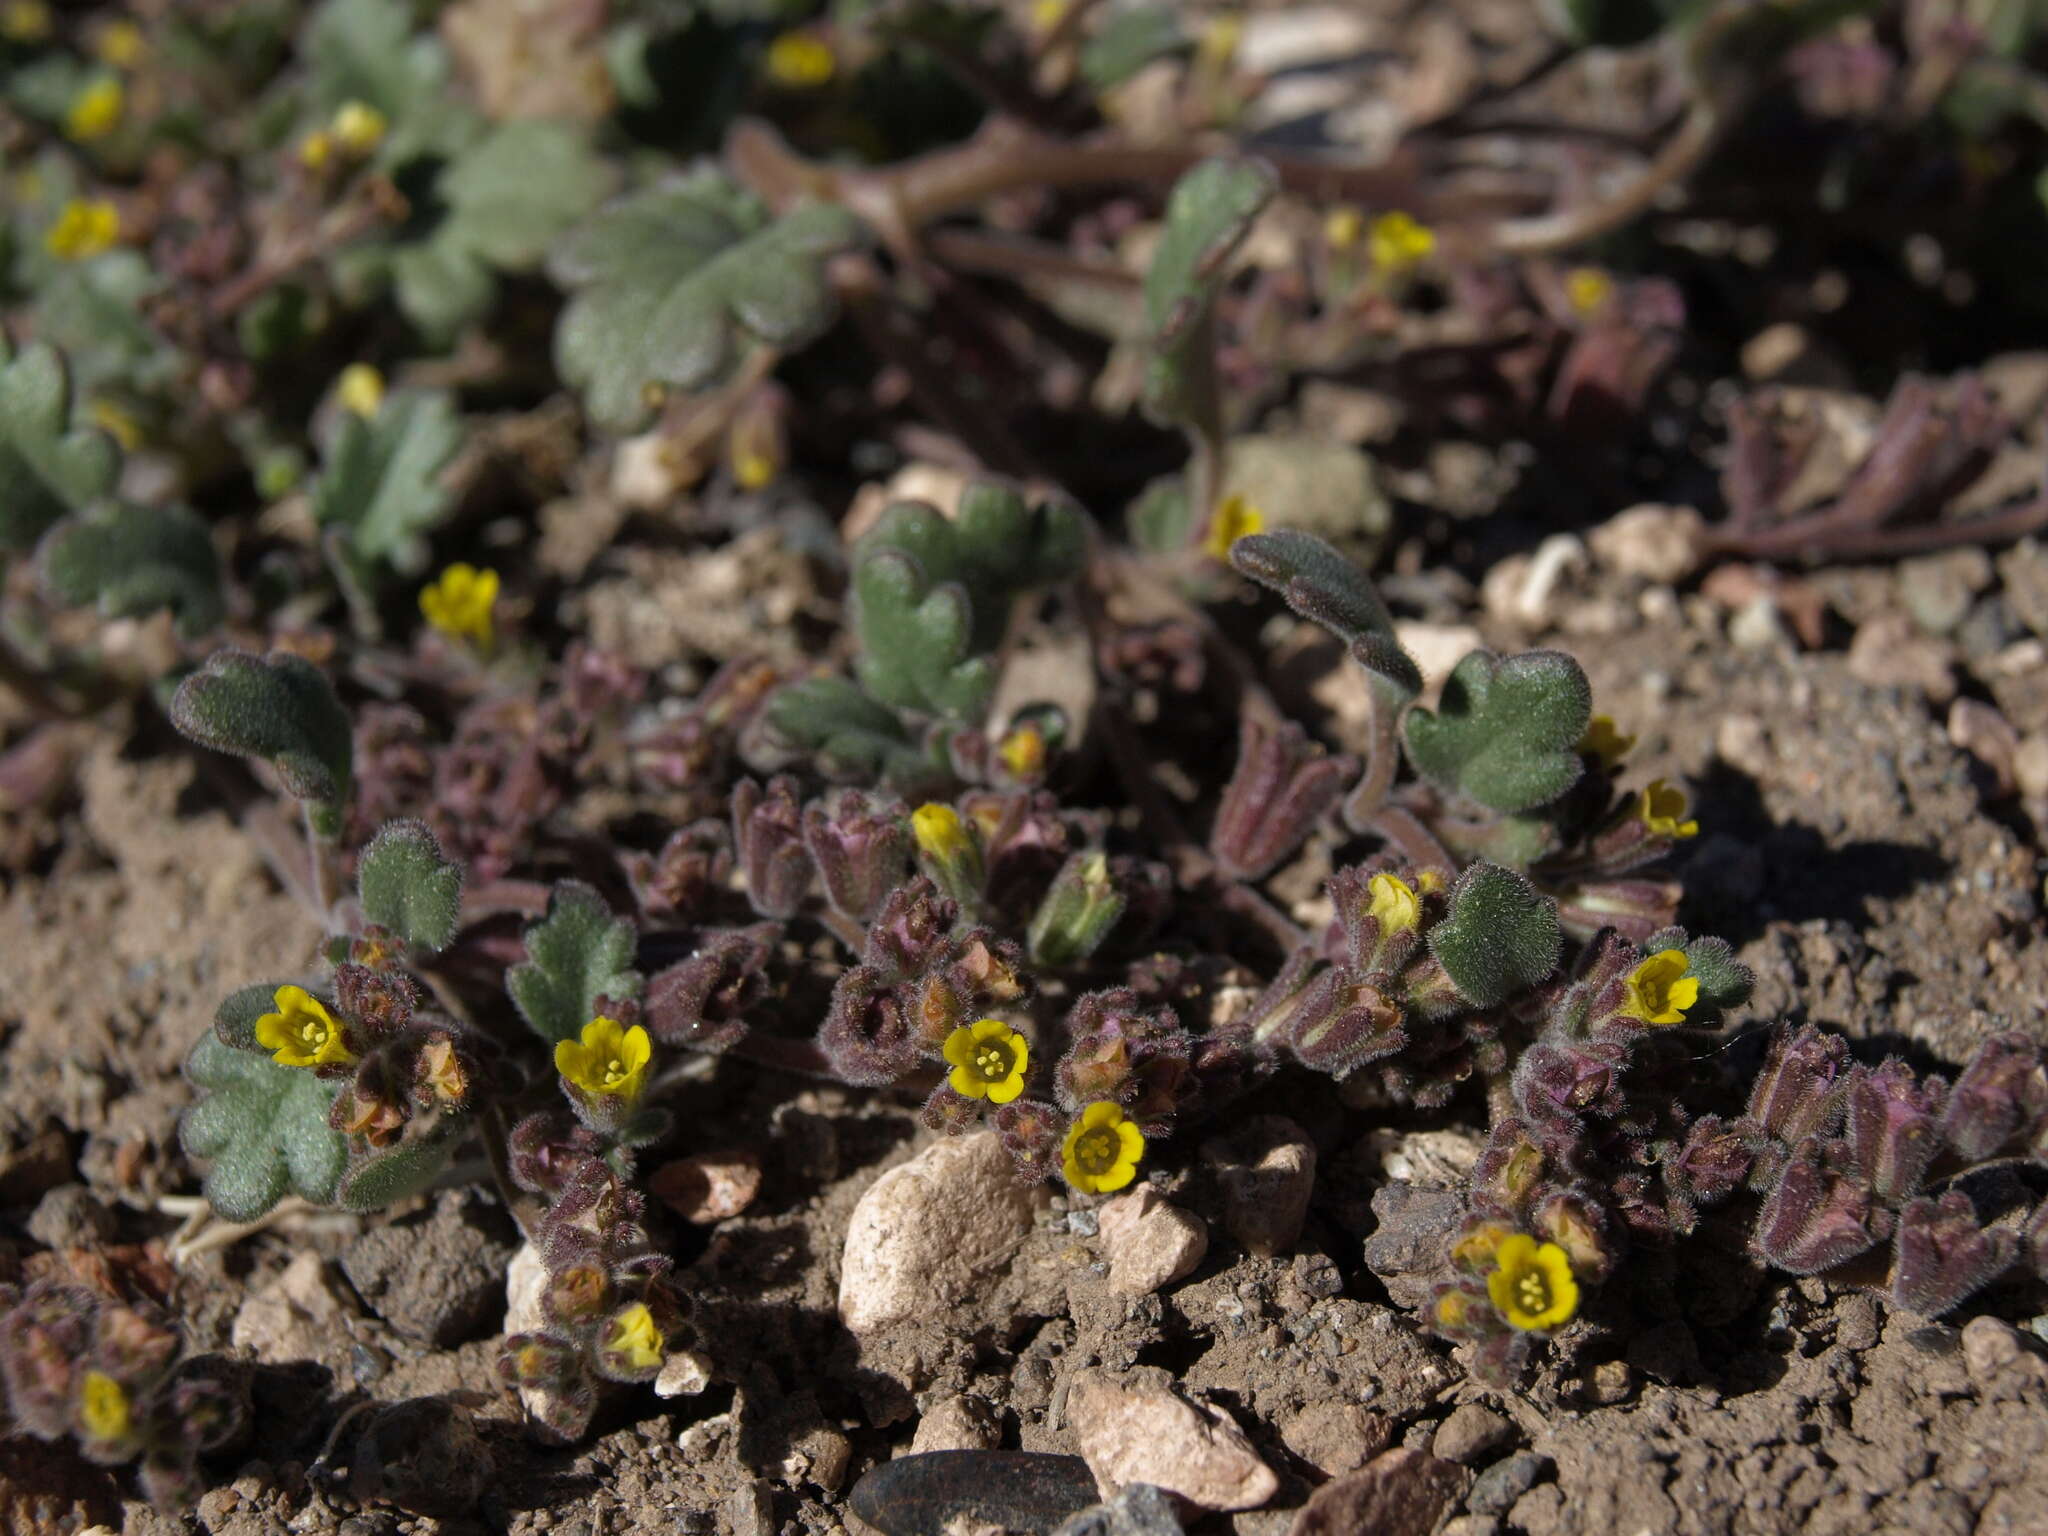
1343, 228
939, 832
1233, 520
1603, 739
1533, 1287
1587, 289
316, 149
115, 422
96, 111
1220, 39
1023, 751
1659, 990
120, 44
609, 1059
751, 468
83, 230
1475, 1250
302, 1033
1662, 809
25, 21
460, 603
634, 1338
358, 128
1102, 1150
1047, 14
1398, 243
360, 389
800, 61
1394, 903
103, 1407
988, 1060
1453, 1309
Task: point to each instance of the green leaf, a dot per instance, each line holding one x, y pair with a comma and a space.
1209, 213
576, 954
234, 1022
1725, 982
406, 886
280, 708
132, 560
46, 467
845, 734
1499, 936
365, 50
1505, 732
381, 477
385, 1178
503, 200
264, 1127
1325, 588
670, 283
1129, 40
931, 594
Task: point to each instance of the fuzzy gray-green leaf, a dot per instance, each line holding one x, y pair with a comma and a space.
405, 885
1325, 588
576, 954
280, 708
1208, 214
381, 480
47, 467
388, 1177
263, 1126
669, 283
1505, 732
131, 561
1499, 937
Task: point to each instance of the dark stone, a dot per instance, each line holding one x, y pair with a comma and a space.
438, 1277
1024, 1491
1400, 1493
1139, 1510
1506, 1481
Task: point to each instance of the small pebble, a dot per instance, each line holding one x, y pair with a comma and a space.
1506, 1481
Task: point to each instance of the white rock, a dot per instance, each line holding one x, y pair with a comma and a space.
1143, 1434
959, 1423
1150, 1242
927, 1235
683, 1374
1653, 542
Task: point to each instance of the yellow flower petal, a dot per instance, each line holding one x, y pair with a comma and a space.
1102, 1150
96, 111
1533, 1287
1234, 520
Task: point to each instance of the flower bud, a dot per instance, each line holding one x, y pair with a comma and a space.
1799, 1091
1077, 913
1284, 784
861, 847
1947, 1255
767, 829
1815, 1218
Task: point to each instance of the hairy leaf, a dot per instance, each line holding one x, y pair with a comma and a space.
264, 1127
46, 466
576, 954
278, 707
1208, 214
132, 560
669, 283
503, 200
381, 479
1505, 732
1327, 589
1499, 937
406, 886
932, 594
388, 1177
